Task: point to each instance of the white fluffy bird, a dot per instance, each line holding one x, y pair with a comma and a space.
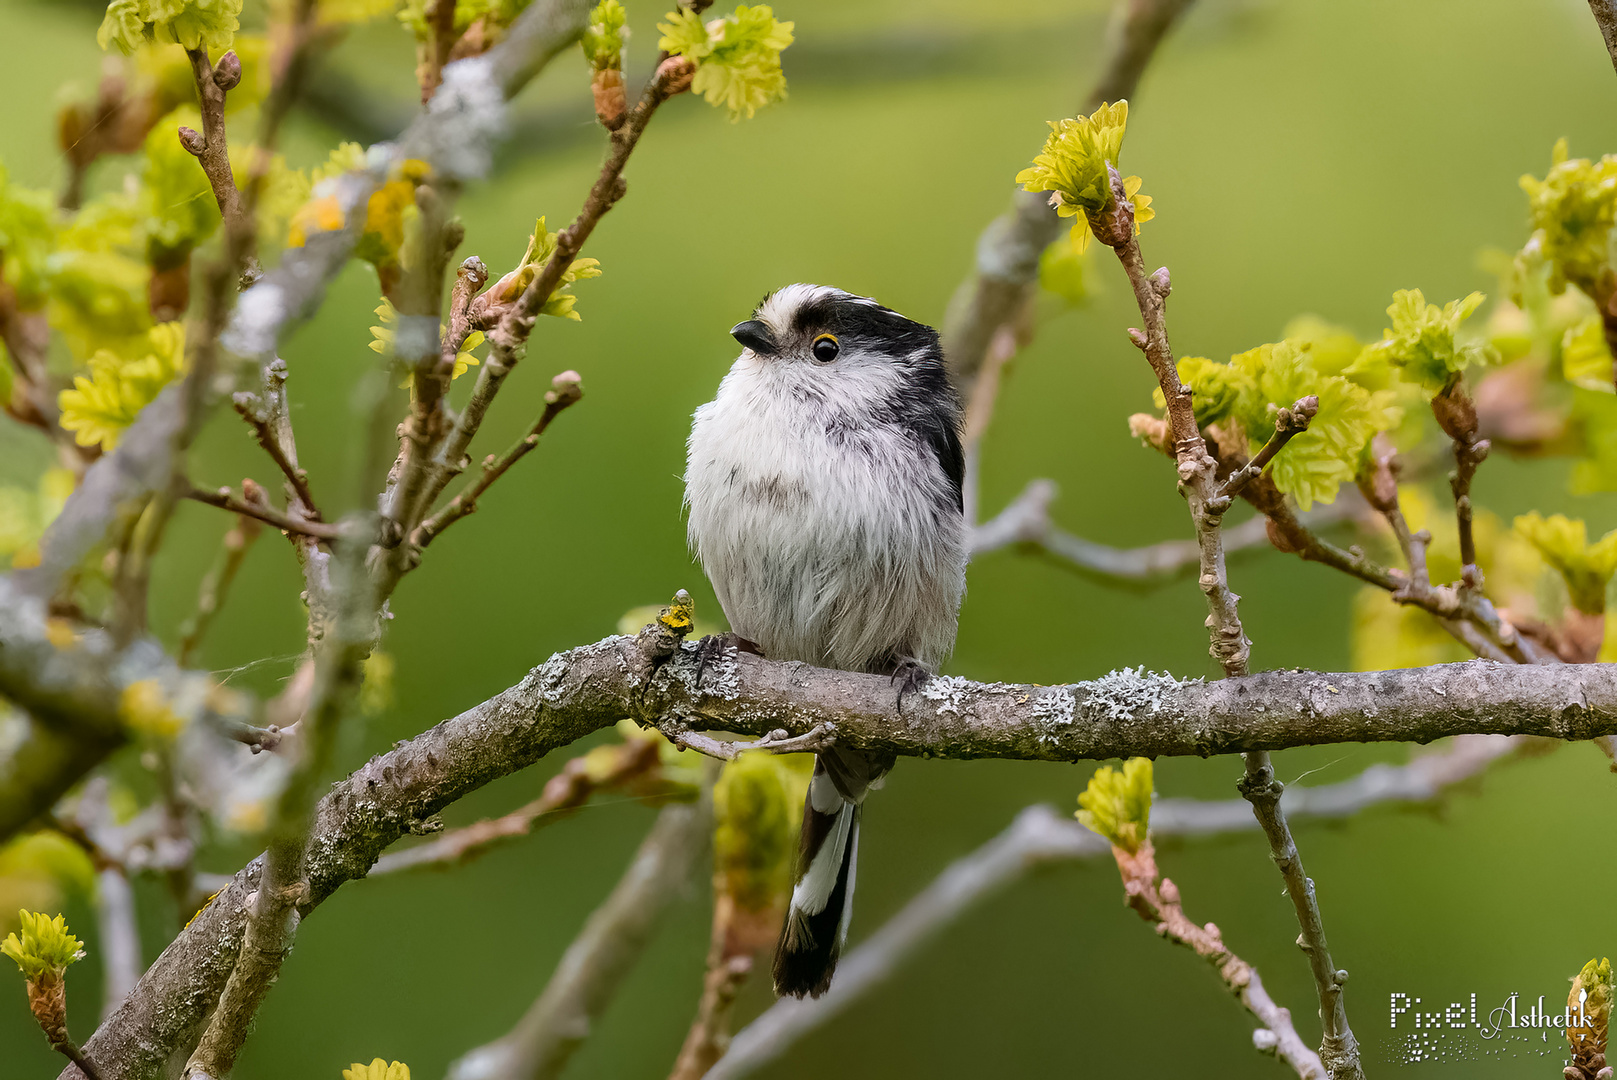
823, 484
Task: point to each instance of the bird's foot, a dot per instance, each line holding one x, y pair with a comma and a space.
909, 676
711, 649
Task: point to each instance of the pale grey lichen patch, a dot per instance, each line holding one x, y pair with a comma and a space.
719, 676
948, 692
1126, 694
549, 677
256, 323
1052, 710
463, 120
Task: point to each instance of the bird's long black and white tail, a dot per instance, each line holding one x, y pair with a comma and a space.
822, 899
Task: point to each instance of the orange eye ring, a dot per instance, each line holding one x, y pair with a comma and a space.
826, 347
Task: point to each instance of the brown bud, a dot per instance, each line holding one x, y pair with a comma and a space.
253, 492
1455, 412
674, 75
611, 104
192, 140
227, 72
47, 999
168, 293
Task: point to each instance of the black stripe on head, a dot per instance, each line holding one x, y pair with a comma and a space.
865, 323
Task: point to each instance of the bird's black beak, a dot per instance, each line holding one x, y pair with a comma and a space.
755, 336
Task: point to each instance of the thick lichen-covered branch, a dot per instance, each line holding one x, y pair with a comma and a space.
583, 690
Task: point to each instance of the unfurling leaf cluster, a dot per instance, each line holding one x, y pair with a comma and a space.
1246, 394
757, 810
541, 245
604, 36
44, 945
1117, 803
1074, 167
195, 24
1421, 341
1572, 211
737, 56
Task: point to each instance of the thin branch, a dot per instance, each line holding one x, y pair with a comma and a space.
1198, 482
224, 500
565, 389
216, 585
598, 960
209, 146
513, 323
1006, 271
579, 780
1456, 414
593, 687
1605, 12
266, 414
121, 963
1026, 520
1339, 1050
1039, 837
1156, 900
1289, 423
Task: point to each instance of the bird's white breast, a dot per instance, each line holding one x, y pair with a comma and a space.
829, 533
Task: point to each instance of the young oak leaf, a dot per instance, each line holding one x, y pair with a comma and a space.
1318, 461
1572, 211
1117, 803
384, 336
100, 406
737, 56
195, 24
757, 810
1564, 542
1585, 356
1421, 344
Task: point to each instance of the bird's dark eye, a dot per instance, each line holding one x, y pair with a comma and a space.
826, 348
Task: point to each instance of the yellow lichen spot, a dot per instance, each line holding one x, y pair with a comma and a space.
679, 616
146, 710
201, 909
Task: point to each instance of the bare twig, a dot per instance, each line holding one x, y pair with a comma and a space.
565, 389
1340, 1050
1006, 269
513, 323
568, 790
1288, 423
594, 966
1156, 899
209, 146
121, 964
1605, 12
1198, 482
223, 499
266, 414
1026, 520
216, 584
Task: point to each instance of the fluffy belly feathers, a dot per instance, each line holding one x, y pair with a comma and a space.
833, 542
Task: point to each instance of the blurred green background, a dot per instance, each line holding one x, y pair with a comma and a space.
1305, 156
